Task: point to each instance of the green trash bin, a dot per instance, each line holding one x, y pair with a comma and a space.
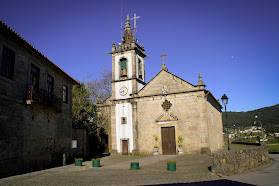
78, 163
135, 165
96, 163
171, 167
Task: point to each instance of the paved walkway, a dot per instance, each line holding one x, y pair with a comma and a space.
267, 176
114, 170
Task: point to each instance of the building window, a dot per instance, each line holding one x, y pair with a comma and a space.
34, 78
123, 120
7, 63
50, 84
140, 69
65, 94
123, 63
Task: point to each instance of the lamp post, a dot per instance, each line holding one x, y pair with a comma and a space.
258, 137
225, 99
234, 133
262, 130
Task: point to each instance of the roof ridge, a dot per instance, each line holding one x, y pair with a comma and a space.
166, 72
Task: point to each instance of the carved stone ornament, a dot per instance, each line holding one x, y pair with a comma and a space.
166, 105
167, 117
165, 90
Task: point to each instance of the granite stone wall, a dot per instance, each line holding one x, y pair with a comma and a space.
33, 136
82, 150
239, 161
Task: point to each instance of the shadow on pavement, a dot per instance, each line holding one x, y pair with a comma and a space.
96, 156
214, 182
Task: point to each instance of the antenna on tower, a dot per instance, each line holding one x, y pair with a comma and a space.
121, 19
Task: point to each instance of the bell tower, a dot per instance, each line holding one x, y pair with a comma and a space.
128, 65
128, 77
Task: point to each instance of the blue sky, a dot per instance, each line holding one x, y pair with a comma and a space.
234, 44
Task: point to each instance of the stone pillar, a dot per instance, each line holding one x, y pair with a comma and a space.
113, 67
113, 91
64, 159
143, 66
134, 86
135, 128
134, 64
112, 138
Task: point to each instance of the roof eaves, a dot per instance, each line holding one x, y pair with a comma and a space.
75, 82
207, 91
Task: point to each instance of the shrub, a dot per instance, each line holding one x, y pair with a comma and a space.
78, 159
171, 162
95, 159
156, 138
180, 138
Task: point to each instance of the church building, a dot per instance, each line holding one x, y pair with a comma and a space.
167, 113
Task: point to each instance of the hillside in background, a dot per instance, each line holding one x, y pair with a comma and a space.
268, 116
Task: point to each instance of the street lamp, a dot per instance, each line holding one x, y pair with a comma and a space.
258, 137
225, 99
234, 133
262, 130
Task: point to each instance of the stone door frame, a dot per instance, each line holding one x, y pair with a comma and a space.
121, 145
171, 150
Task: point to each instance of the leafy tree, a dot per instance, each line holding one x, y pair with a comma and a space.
94, 89
84, 113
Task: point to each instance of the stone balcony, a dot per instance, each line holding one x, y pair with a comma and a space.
41, 97
126, 47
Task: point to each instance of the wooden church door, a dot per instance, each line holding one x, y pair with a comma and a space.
124, 147
168, 140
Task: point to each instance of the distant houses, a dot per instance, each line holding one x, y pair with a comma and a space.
252, 129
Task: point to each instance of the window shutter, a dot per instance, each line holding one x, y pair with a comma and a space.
123, 64
139, 65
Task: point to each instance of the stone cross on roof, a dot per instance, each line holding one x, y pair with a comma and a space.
164, 66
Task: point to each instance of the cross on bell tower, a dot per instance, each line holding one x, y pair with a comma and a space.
135, 22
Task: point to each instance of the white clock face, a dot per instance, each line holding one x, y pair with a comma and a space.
123, 91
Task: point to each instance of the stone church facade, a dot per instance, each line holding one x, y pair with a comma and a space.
158, 112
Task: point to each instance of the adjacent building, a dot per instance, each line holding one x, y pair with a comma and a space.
35, 107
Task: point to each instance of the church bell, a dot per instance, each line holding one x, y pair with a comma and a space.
124, 72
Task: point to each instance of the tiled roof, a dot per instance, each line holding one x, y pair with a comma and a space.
4, 26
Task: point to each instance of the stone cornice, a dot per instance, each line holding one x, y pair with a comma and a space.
138, 80
134, 96
127, 47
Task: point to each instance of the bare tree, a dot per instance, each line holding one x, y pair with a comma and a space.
99, 87
99, 84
